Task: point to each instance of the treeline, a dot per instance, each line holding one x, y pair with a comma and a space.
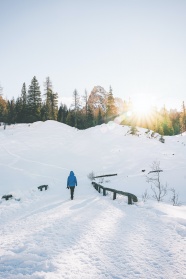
161, 121
32, 106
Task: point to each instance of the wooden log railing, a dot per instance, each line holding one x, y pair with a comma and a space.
131, 198
106, 175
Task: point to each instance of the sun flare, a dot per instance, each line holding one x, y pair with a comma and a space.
142, 108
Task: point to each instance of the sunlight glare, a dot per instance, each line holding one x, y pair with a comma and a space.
142, 107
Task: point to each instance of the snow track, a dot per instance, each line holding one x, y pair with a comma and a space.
89, 238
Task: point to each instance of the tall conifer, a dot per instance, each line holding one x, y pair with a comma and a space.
76, 106
111, 110
51, 101
183, 118
23, 101
34, 101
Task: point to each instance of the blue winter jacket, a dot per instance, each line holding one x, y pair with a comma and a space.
71, 181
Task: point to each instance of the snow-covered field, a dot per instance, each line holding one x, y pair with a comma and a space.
43, 234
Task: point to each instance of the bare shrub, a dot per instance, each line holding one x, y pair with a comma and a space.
159, 190
162, 139
174, 198
91, 176
101, 179
145, 196
133, 130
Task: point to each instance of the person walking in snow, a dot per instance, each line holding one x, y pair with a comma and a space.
71, 183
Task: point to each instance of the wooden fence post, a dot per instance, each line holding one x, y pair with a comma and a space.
104, 192
114, 195
129, 200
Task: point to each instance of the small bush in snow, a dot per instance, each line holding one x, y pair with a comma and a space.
148, 131
174, 198
101, 179
162, 139
145, 196
91, 176
133, 130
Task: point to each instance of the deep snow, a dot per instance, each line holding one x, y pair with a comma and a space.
46, 235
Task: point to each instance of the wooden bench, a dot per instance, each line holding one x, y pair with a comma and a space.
7, 197
42, 187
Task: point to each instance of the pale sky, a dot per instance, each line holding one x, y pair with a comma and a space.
136, 46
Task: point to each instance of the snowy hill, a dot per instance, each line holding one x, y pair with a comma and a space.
46, 235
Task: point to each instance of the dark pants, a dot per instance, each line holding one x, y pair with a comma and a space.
72, 192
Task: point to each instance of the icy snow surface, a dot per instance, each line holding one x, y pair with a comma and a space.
43, 234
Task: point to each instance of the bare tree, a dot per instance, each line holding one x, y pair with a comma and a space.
159, 190
174, 198
76, 105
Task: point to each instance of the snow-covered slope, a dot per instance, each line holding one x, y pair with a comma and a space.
46, 235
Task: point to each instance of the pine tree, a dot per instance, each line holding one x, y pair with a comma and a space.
81, 124
3, 109
47, 107
166, 123
47, 85
70, 120
183, 118
89, 118
18, 108
111, 110
49, 110
11, 112
34, 101
76, 106
85, 98
99, 117
160, 129
87, 115
85, 110
62, 113
23, 104
54, 105
175, 119
50, 107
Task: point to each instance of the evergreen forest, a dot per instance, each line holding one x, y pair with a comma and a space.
32, 105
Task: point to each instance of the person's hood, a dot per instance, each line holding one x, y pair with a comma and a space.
71, 173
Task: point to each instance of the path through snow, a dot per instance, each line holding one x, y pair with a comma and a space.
91, 237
